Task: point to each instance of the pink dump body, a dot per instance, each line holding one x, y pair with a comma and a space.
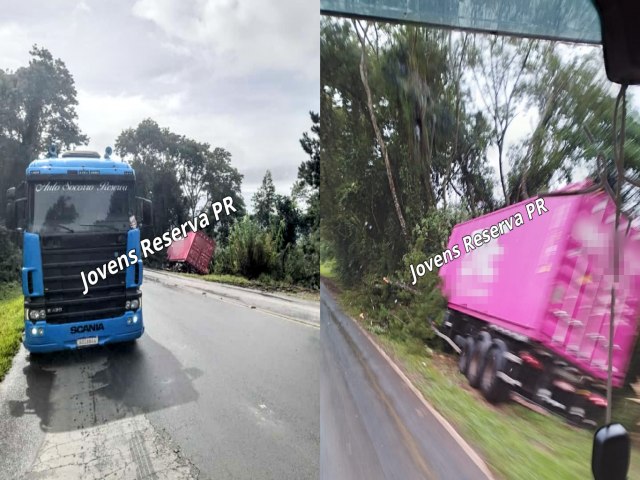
550, 280
196, 249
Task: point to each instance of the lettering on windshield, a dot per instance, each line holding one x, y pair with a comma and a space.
80, 187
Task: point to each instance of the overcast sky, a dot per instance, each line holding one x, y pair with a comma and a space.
240, 74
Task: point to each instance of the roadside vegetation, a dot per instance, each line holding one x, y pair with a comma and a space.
278, 242
11, 324
423, 129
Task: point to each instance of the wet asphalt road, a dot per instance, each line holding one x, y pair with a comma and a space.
372, 424
213, 389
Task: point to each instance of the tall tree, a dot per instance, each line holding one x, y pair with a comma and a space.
364, 76
307, 187
434, 137
37, 107
309, 170
152, 152
500, 68
223, 180
264, 200
180, 174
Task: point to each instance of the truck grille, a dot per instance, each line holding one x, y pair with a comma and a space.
63, 258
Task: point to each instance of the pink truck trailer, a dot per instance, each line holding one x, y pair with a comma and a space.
192, 253
529, 309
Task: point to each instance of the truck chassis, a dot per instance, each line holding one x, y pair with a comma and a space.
503, 364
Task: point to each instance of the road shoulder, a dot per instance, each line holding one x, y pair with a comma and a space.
294, 308
421, 420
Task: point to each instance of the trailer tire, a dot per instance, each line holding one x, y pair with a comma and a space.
466, 348
477, 359
492, 387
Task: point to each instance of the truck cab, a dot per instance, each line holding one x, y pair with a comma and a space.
74, 213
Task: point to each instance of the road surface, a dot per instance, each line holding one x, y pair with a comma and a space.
372, 424
218, 387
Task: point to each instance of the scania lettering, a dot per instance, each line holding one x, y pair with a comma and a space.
87, 328
72, 213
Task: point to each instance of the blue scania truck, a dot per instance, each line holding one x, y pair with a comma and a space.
74, 213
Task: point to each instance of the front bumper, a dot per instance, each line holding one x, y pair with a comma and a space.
56, 337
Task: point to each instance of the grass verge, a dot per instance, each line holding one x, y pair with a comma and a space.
11, 324
328, 269
516, 442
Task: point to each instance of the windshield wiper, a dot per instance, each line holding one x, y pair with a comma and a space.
102, 225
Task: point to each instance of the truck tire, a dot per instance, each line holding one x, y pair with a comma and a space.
481, 346
492, 387
35, 357
466, 347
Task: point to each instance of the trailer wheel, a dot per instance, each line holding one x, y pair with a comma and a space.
466, 347
493, 389
477, 359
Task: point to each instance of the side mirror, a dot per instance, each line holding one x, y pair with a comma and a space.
11, 219
20, 207
611, 450
144, 211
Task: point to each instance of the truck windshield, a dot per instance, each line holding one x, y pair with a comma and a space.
80, 206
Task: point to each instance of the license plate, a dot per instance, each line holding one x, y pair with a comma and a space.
86, 342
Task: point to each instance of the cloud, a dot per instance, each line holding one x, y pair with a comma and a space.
247, 36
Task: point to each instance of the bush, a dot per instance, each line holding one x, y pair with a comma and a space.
302, 260
402, 310
250, 251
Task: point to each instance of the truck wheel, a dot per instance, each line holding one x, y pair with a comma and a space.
36, 357
492, 388
477, 359
466, 347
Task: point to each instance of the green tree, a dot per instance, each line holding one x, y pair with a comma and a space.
180, 175
309, 170
396, 115
264, 200
224, 180
152, 152
37, 107
501, 68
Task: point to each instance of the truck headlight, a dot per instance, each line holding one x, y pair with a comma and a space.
127, 305
36, 314
135, 303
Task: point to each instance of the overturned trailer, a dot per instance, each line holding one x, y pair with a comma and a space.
191, 254
530, 310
